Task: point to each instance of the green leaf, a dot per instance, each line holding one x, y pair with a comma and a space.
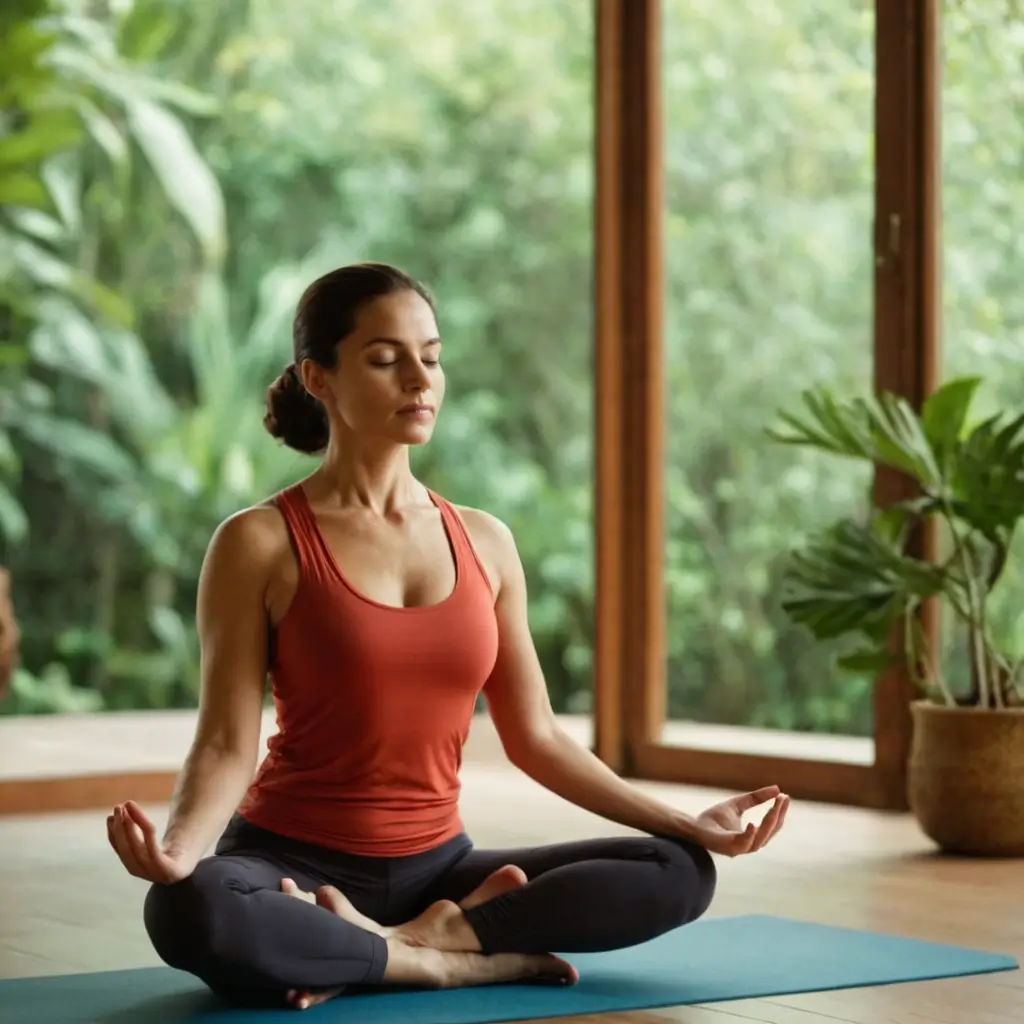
186, 178
827, 425
883, 430
184, 97
944, 414
894, 522
988, 476
52, 691
79, 444
144, 33
116, 362
21, 189
850, 579
68, 342
45, 269
48, 132
38, 224
93, 294
103, 132
10, 465
23, 45
61, 176
900, 440
12, 354
40, 265
869, 659
13, 520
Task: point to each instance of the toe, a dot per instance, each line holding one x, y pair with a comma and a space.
515, 876
328, 896
497, 882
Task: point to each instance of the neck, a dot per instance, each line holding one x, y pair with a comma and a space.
379, 479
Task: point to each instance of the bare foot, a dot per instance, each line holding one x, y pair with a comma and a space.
465, 969
409, 963
331, 899
304, 1000
443, 926
502, 880
434, 969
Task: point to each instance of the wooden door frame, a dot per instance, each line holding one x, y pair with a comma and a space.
630, 612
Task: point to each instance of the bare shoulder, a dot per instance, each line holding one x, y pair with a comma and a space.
254, 537
495, 545
485, 526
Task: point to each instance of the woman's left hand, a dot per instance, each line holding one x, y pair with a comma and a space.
720, 828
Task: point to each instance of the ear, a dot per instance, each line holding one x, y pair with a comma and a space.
314, 378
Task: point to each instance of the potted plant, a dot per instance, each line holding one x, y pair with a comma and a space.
857, 583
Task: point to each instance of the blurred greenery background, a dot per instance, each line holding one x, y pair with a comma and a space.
172, 173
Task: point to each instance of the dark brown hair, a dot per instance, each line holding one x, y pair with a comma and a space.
326, 313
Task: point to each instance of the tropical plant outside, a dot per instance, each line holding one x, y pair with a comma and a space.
856, 579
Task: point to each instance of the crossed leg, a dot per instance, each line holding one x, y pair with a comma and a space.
235, 925
587, 896
431, 930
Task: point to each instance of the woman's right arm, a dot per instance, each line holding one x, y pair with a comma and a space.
233, 635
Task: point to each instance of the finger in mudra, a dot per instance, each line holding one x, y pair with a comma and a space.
721, 829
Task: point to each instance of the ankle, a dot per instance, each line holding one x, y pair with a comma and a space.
416, 965
459, 934
442, 926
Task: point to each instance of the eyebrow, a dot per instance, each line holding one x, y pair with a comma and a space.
399, 343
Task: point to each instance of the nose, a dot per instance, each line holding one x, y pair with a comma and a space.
416, 377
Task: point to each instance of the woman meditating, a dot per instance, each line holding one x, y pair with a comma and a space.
380, 612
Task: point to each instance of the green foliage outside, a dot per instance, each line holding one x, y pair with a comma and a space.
173, 173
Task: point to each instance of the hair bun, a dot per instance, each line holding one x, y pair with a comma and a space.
294, 416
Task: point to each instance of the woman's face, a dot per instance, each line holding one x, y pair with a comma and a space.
388, 383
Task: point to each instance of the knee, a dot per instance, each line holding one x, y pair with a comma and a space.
180, 918
173, 917
200, 925
690, 880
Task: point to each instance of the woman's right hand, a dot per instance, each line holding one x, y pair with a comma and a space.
133, 837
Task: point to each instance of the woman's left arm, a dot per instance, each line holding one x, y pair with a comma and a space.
534, 741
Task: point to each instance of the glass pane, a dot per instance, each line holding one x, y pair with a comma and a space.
983, 255
452, 139
769, 205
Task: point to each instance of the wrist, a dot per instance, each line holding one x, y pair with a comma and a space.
683, 826
180, 850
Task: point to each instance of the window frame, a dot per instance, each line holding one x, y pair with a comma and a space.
630, 661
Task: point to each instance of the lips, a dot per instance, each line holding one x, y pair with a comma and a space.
414, 409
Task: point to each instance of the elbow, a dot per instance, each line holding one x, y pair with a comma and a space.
530, 749
228, 737
226, 749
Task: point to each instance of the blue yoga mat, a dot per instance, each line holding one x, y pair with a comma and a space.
713, 960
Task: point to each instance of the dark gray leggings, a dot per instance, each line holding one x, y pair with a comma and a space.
231, 926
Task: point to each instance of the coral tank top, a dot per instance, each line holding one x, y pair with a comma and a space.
373, 702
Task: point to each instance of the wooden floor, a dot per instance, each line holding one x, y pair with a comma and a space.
66, 905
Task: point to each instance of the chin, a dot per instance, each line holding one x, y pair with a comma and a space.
415, 436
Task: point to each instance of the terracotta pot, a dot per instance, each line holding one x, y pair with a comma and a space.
966, 778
